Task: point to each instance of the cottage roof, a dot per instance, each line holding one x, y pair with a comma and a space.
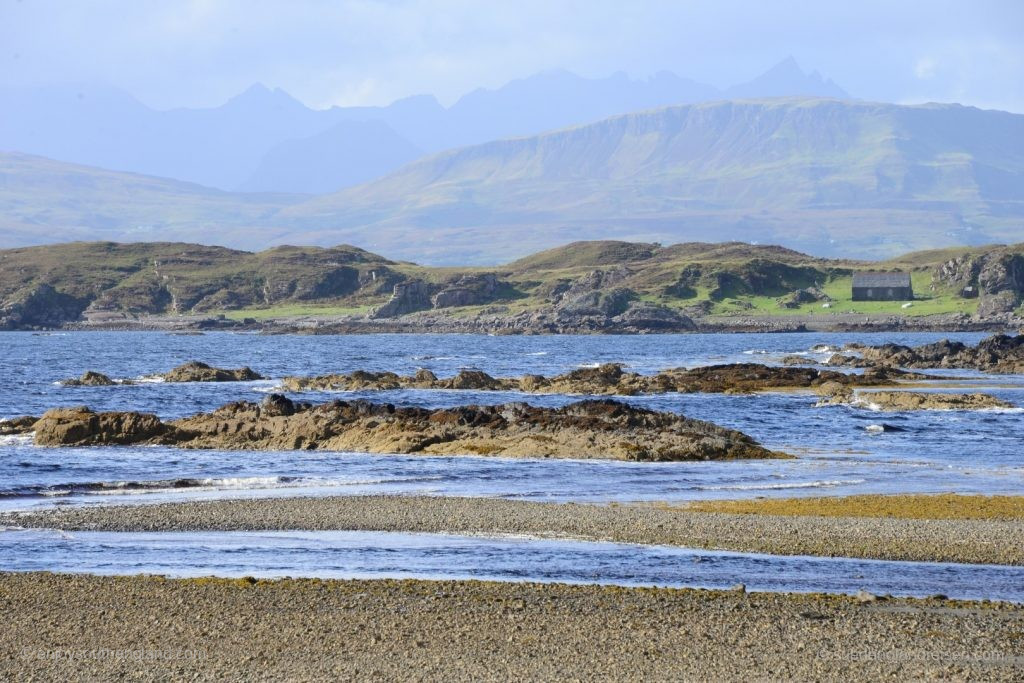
873, 279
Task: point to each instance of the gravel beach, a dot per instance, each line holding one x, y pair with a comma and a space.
940, 540
72, 627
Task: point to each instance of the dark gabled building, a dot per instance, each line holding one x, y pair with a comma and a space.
882, 287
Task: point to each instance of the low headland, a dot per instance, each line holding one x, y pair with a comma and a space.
583, 287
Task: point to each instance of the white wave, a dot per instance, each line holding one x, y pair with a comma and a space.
823, 348
149, 379
822, 484
538, 353
757, 352
875, 429
18, 439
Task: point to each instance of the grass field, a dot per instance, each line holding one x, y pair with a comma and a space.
840, 291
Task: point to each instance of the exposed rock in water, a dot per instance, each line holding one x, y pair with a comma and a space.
609, 379
194, 371
18, 425
999, 353
82, 427
600, 429
89, 379
837, 394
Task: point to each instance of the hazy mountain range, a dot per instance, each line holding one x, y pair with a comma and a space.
827, 176
265, 140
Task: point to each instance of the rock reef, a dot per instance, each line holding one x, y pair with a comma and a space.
607, 379
595, 429
997, 354
833, 393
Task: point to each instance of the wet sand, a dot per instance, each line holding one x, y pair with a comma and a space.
69, 627
941, 540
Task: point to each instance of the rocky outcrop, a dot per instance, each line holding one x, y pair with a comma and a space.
996, 276
195, 371
468, 290
82, 427
808, 295
89, 379
407, 297
599, 429
897, 401
997, 354
609, 379
41, 306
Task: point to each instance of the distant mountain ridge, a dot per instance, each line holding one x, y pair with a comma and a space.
265, 140
830, 177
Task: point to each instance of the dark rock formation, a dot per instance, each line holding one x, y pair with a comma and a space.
999, 354
89, 379
42, 306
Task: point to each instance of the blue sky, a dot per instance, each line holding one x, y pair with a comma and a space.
346, 52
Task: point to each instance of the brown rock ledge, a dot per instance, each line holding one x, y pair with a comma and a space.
599, 429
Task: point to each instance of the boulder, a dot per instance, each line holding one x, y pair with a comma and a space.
89, 379
274, 405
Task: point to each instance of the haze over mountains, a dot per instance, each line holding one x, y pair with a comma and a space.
265, 140
832, 177
822, 174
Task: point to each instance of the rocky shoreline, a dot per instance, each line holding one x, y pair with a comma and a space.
601, 429
69, 627
435, 322
885, 538
996, 354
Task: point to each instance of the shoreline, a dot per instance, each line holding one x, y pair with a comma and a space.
969, 541
327, 325
152, 628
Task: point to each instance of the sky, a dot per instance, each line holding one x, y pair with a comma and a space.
172, 53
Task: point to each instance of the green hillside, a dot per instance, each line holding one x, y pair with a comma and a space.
48, 285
